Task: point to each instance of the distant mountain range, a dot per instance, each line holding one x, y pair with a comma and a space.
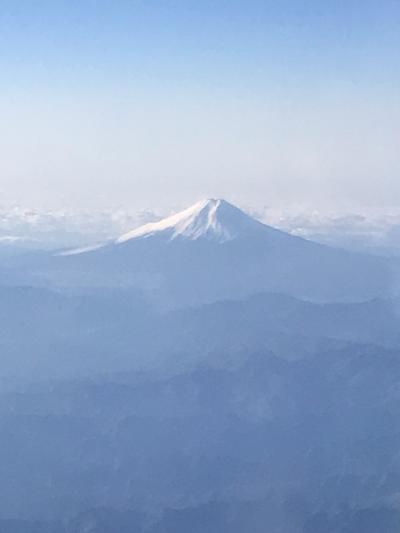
55, 334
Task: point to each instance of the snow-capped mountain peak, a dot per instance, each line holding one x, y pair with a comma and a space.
213, 219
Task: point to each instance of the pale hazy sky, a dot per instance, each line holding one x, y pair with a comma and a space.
156, 103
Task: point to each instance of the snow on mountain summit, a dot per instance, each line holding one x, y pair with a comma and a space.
214, 219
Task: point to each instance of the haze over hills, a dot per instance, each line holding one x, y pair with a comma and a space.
265, 411
50, 334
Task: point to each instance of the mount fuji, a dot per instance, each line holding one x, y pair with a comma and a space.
217, 221
212, 251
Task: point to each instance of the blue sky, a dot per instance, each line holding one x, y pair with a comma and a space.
156, 102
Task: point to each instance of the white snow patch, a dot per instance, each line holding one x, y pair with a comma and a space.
82, 250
